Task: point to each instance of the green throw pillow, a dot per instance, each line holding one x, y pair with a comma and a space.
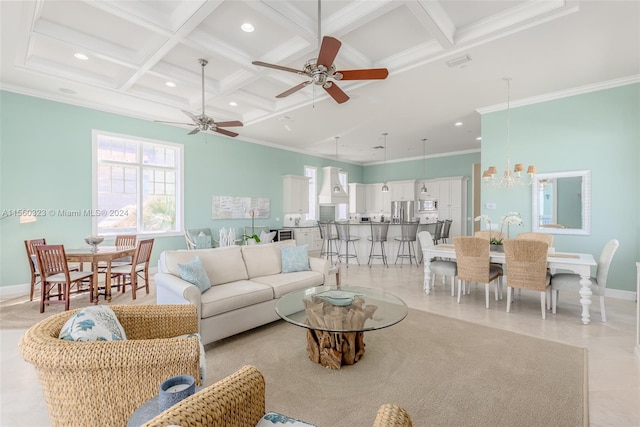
295, 258
193, 272
94, 323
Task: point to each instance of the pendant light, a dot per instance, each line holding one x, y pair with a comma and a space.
423, 190
336, 187
385, 187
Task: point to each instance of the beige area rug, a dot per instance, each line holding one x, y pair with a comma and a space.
445, 372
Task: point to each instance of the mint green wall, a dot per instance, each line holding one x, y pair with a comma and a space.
45, 163
598, 131
436, 167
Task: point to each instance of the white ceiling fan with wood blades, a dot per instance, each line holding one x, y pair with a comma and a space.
202, 122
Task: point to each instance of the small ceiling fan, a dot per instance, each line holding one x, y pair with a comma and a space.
322, 70
204, 122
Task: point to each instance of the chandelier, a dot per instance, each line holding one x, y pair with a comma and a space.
509, 178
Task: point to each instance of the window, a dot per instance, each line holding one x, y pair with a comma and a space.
312, 173
137, 185
343, 177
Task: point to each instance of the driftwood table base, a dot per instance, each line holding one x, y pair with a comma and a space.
334, 349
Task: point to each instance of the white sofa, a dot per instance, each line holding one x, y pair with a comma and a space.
246, 283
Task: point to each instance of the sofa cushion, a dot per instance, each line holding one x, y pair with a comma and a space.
284, 283
194, 272
231, 296
262, 260
223, 265
295, 259
93, 323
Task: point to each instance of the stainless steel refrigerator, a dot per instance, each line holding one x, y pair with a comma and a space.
403, 211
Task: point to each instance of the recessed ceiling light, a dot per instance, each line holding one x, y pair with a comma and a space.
170, 84
233, 103
81, 56
458, 124
247, 27
479, 138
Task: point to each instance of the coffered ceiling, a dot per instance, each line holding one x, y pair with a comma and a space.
446, 60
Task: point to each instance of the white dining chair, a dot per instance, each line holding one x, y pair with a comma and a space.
442, 268
570, 281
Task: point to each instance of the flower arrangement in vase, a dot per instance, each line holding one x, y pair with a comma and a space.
253, 239
508, 219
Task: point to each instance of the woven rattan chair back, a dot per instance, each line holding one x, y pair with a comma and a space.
489, 234
472, 257
391, 415
541, 237
526, 263
101, 383
30, 246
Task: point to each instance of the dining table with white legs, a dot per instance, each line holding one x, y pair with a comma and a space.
578, 263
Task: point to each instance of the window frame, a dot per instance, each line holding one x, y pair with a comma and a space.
140, 166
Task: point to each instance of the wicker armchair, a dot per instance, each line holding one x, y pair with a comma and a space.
239, 401
103, 382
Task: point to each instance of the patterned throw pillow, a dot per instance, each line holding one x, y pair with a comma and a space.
193, 272
271, 419
95, 323
203, 359
295, 258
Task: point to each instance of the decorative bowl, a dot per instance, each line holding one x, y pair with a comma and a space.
94, 241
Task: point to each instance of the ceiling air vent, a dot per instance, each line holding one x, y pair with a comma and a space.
457, 62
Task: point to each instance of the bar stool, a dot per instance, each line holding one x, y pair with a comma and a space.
408, 233
346, 237
379, 232
446, 228
329, 241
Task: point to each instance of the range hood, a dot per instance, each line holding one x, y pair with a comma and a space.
329, 181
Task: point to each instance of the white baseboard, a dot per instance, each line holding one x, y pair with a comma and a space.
23, 288
618, 294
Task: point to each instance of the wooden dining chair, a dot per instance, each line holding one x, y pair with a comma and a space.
526, 264
139, 268
30, 245
54, 271
472, 260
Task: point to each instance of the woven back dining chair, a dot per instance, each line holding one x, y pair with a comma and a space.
54, 271
489, 234
541, 237
472, 260
526, 264
138, 269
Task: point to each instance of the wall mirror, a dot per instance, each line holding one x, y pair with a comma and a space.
562, 203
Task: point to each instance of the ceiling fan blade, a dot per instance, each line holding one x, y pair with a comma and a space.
228, 124
364, 74
328, 51
194, 131
293, 90
192, 116
225, 132
336, 93
277, 67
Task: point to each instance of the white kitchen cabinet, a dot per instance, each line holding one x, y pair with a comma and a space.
377, 201
452, 204
310, 237
402, 190
295, 198
357, 198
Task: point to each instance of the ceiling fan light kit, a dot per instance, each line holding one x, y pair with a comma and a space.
509, 178
202, 122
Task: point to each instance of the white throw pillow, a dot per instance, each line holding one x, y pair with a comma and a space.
267, 237
94, 323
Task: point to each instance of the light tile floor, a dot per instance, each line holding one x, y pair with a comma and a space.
614, 370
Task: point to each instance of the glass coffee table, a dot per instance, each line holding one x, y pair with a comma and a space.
336, 319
